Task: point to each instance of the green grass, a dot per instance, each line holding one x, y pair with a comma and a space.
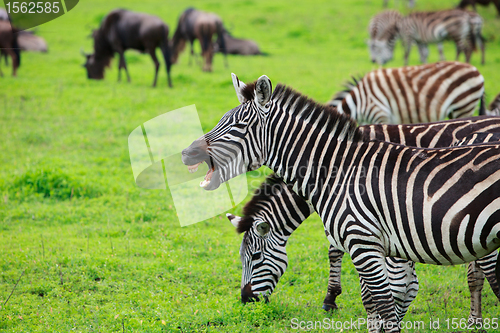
99, 254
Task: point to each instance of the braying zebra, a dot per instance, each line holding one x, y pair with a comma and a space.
423, 28
376, 199
277, 205
415, 94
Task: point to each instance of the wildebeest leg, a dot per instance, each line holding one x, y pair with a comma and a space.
122, 64
192, 55
152, 52
15, 60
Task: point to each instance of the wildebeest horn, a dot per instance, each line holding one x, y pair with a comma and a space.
83, 52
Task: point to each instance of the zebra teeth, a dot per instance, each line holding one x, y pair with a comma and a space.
193, 168
204, 183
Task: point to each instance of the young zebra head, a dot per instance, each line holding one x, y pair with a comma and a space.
266, 232
236, 144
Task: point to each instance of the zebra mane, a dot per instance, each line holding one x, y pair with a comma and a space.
249, 91
262, 194
349, 86
326, 115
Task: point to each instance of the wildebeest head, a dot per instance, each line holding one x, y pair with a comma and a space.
95, 68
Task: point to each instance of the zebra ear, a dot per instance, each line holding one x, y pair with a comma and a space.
263, 90
238, 86
235, 220
263, 228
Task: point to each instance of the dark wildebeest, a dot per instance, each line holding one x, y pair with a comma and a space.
194, 24
121, 30
9, 46
465, 3
238, 46
3, 17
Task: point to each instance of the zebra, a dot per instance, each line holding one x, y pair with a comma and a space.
415, 94
422, 28
427, 193
383, 36
411, 3
493, 108
284, 211
269, 219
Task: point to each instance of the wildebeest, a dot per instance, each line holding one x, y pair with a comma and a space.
194, 24
465, 3
9, 45
121, 30
28, 41
3, 15
238, 46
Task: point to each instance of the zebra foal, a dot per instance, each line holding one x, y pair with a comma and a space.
376, 199
414, 94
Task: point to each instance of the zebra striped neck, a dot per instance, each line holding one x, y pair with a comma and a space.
300, 133
307, 111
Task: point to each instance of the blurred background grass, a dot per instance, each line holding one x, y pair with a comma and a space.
115, 256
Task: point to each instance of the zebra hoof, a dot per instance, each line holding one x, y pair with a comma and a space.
329, 307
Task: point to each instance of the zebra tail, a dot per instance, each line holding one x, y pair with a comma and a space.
482, 109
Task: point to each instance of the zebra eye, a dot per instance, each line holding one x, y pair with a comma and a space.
256, 256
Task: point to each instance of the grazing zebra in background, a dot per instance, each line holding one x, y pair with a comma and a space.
415, 94
423, 28
277, 205
493, 108
383, 35
411, 3
376, 199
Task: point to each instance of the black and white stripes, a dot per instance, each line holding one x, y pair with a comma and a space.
415, 94
376, 199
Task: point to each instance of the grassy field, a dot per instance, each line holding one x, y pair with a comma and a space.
101, 255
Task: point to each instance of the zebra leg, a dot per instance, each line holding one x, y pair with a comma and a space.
404, 284
407, 47
371, 313
487, 264
423, 50
441, 53
475, 279
372, 271
334, 286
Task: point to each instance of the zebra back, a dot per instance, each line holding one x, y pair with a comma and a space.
414, 94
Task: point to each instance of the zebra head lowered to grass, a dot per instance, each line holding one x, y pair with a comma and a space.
414, 94
267, 223
376, 199
269, 219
